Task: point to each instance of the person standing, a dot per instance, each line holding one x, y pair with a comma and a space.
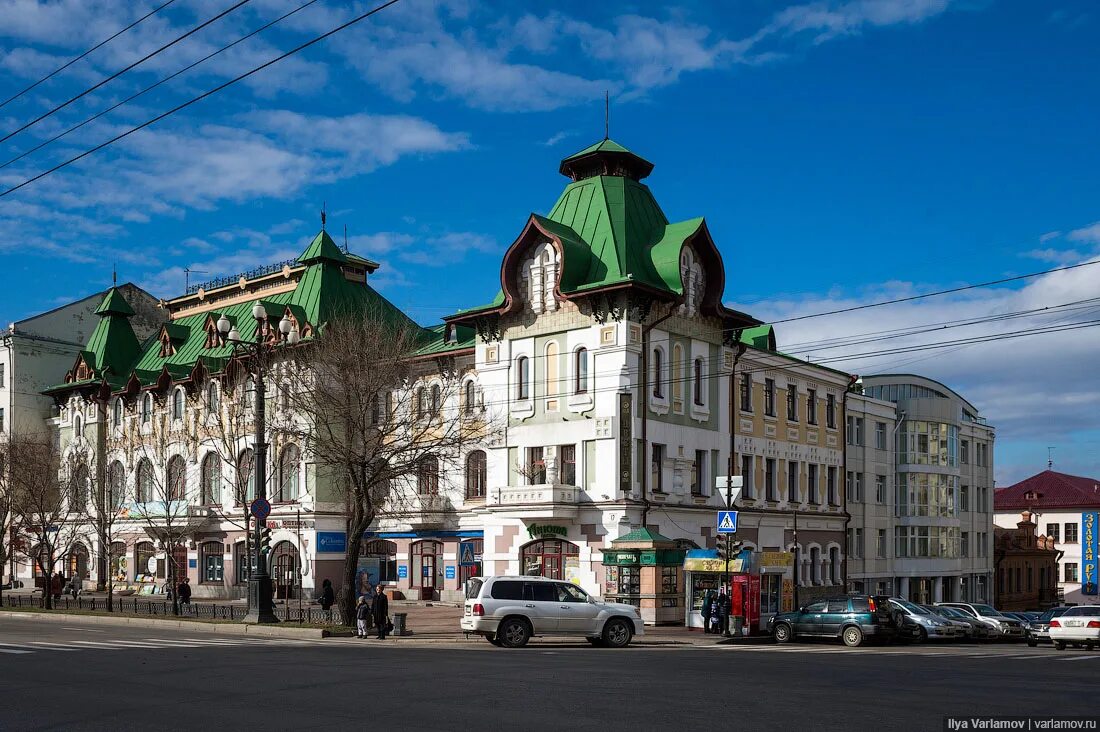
708, 604
380, 612
723, 603
56, 585
362, 617
185, 594
327, 598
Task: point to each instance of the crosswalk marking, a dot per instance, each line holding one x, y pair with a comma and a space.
1081, 658
966, 653
14, 651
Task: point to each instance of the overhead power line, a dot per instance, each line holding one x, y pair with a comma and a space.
151, 87
94, 48
117, 74
204, 95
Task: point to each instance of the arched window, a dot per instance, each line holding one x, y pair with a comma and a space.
116, 413
176, 479
658, 358
288, 473
427, 476
698, 382
177, 404
211, 479
436, 400
677, 373
386, 554
143, 553
78, 488
815, 565
552, 386
146, 408
145, 481
523, 378
78, 426
469, 397
421, 402
246, 477
249, 393
545, 557
116, 482
117, 561
212, 401
580, 370
834, 566
476, 473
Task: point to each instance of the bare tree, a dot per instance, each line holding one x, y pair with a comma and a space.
7, 532
380, 425
44, 501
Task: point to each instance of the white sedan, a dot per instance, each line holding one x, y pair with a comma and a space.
1079, 626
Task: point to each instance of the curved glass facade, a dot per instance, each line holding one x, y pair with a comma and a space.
928, 443
926, 542
927, 494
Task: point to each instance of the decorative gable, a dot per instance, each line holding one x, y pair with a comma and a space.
214, 338
538, 276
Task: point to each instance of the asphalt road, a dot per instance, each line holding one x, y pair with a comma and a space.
72, 677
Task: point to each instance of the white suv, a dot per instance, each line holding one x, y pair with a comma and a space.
509, 610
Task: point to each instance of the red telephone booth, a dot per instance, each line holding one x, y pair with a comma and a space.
746, 600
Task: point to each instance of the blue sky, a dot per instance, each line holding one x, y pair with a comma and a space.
842, 151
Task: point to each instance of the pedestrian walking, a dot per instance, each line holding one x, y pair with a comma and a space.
362, 617
708, 605
184, 591
380, 612
56, 585
327, 598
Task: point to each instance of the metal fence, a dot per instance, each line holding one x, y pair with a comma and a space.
145, 607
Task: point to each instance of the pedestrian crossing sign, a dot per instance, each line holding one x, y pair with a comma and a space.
727, 522
466, 554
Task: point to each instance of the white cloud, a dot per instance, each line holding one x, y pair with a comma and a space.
1089, 234
828, 20
1037, 388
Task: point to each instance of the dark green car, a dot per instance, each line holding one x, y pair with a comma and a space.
853, 619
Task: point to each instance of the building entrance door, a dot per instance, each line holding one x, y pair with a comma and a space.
545, 557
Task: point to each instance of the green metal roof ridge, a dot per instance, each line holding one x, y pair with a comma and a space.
604, 145
642, 535
322, 248
114, 304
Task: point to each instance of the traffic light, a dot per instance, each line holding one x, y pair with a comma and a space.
265, 541
735, 548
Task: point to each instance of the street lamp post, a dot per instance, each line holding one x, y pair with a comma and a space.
261, 606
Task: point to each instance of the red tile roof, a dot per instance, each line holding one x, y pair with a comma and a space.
1053, 490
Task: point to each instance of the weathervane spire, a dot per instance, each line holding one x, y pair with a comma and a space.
114, 274
345, 238
323, 216
606, 115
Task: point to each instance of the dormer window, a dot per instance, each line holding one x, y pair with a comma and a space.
146, 408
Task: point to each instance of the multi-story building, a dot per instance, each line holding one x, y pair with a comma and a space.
35, 353
1026, 567
937, 519
1065, 508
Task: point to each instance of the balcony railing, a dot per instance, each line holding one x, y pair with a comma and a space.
544, 494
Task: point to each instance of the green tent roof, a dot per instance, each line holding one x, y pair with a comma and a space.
114, 304
605, 145
322, 248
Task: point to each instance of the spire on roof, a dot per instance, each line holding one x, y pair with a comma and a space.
114, 304
322, 249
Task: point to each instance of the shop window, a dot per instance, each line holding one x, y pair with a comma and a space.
771, 589
670, 584
551, 558
212, 559
143, 552
385, 553
117, 561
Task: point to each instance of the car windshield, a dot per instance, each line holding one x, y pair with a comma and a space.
1082, 610
987, 610
915, 609
950, 612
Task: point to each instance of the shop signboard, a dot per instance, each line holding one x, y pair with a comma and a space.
1090, 552
787, 601
775, 562
334, 542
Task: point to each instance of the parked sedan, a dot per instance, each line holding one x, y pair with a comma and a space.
972, 628
920, 624
1039, 631
1025, 619
1078, 626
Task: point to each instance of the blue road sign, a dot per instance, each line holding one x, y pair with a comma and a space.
260, 508
466, 556
402, 571
727, 522
450, 572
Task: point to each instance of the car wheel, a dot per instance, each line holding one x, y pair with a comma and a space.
922, 636
617, 633
494, 639
597, 642
782, 633
513, 633
1060, 645
852, 636
1032, 643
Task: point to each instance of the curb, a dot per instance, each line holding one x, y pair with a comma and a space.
267, 631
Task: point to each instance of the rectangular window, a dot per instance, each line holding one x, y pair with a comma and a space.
2, 374
567, 458
655, 472
881, 547
880, 435
746, 392
855, 431
1, 420
792, 481
830, 411
858, 547
811, 483
748, 475
965, 544
880, 489
833, 498
536, 466
811, 406
964, 498
769, 479
769, 397
1071, 533
1071, 572
792, 402
1055, 531
699, 474
964, 452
